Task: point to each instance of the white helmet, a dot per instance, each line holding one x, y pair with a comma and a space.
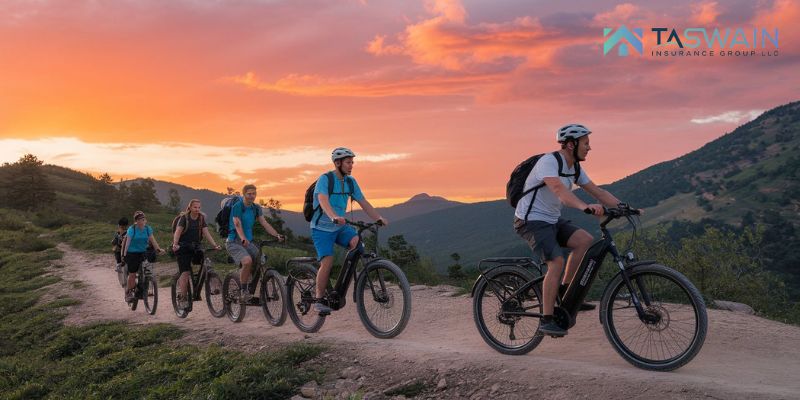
341, 152
571, 131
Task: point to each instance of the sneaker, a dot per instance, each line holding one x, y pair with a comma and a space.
129, 296
181, 300
586, 307
245, 296
552, 329
322, 309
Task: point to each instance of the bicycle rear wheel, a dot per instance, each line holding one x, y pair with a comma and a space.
150, 295
214, 297
494, 299
273, 297
231, 292
383, 299
179, 311
300, 288
673, 328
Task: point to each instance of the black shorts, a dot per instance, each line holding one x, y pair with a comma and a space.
118, 256
188, 255
134, 261
545, 239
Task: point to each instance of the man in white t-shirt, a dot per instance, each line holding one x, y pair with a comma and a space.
538, 215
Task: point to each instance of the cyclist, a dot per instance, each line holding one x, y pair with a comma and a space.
244, 214
138, 236
328, 224
119, 240
538, 216
190, 229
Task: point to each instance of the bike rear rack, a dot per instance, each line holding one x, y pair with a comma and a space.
496, 262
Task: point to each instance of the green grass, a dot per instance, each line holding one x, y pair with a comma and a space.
41, 358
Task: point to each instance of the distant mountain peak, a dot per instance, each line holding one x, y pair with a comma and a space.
426, 197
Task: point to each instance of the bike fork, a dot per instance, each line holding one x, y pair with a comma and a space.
633, 292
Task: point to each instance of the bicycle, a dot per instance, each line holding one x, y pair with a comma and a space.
206, 278
652, 315
380, 280
146, 289
272, 291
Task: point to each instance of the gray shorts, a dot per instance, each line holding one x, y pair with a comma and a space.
238, 252
545, 239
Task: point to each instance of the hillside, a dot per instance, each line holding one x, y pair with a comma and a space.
755, 168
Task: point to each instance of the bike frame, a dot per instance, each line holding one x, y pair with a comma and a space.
582, 281
336, 295
199, 278
145, 271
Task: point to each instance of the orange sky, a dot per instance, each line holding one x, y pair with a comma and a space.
437, 96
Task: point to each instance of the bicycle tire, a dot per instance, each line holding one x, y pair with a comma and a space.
122, 276
151, 290
273, 297
215, 299
511, 278
299, 294
231, 290
181, 313
666, 313
383, 293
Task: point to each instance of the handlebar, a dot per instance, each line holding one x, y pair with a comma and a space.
622, 210
361, 225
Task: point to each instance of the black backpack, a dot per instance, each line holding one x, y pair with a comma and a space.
515, 188
223, 217
308, 204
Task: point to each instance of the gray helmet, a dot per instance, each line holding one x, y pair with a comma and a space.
571, 131
341, 152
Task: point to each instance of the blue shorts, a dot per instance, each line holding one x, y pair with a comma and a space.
323, 241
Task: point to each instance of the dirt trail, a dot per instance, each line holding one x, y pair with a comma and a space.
743, 357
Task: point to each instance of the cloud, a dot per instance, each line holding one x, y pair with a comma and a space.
380, 84
173, 159
705, 13
729, 117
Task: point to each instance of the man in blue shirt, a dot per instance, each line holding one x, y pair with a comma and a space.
244, 214
328, 224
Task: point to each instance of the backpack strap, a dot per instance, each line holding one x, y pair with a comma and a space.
561, 168
331, 177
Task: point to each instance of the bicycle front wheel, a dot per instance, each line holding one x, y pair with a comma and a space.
300, 288
180, 311
273, 296
673, 327
150, 295
231, 291
494, 302
214, 298
122, 275
383, 299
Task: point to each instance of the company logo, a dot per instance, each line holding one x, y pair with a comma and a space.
633, 37
689, 42
588, 273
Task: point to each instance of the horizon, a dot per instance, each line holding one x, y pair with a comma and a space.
435, 96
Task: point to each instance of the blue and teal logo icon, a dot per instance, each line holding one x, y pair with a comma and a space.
632, 36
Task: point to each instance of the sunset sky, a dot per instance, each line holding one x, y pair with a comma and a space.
438, 96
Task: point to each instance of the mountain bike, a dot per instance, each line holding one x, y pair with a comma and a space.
382, 293
654, 317
205, 277
272, 291
146, 289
